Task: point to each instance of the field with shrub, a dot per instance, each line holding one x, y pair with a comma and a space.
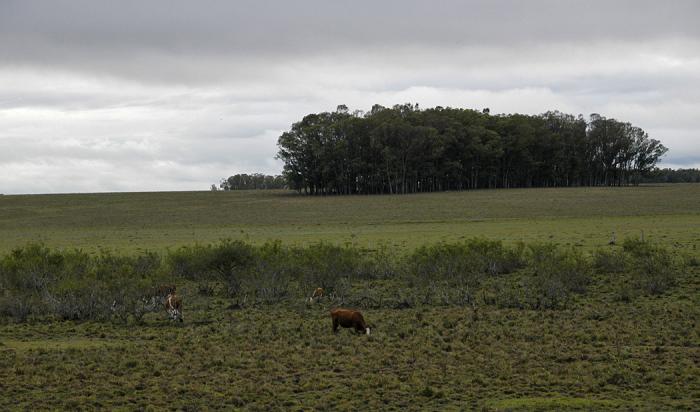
131, 222
487, 322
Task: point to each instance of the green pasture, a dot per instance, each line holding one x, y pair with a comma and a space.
155, 221
612, 346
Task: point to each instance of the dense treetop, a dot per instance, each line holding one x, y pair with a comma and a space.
404, 149
246, 181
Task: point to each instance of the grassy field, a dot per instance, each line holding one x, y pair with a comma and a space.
598, 354
156, 221
603, 350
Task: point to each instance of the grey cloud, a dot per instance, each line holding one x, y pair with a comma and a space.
255, 25
127, 37
173, 95
683, 161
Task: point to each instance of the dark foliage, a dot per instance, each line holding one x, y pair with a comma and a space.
252, 181
407, 150
672, 176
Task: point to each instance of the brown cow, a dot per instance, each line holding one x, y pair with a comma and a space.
349, 318
173, 305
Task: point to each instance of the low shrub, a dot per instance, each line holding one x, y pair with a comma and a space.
325, 265
267, 284
206, 288
505, 292
654, 268
463, 264
450, 273
610, 260
73, 285
17, 307
656, 274
218, 261
36, 281
31, 268
556, 273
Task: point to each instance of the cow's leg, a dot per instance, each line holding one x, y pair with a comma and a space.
335, 325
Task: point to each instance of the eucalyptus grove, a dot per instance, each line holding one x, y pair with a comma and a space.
404, 149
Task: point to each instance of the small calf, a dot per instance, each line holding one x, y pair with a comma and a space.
173, 305
318, 293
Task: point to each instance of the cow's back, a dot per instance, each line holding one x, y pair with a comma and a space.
348, 318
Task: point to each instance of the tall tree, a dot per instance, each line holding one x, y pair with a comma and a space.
403, 149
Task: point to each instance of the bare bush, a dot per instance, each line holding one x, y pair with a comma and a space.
556, 273
16, 307
80, 304
610, 261
206, 288
269, 284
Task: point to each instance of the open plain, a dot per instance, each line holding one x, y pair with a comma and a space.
614, 341
157, 221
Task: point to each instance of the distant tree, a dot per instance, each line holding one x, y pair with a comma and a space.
404, 149
252, 182
667, 175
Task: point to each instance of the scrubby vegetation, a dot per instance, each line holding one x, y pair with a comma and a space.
40, 282
470, 325
480, 300
74, 285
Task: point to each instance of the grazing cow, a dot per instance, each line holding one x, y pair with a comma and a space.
173, 305
349, 318
318, 293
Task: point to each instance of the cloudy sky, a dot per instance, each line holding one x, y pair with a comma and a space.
173, 95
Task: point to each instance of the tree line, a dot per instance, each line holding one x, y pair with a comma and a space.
404, 149
672, 176
251, 181
245, 182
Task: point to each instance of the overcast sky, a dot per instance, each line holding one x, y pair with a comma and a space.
173, 95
